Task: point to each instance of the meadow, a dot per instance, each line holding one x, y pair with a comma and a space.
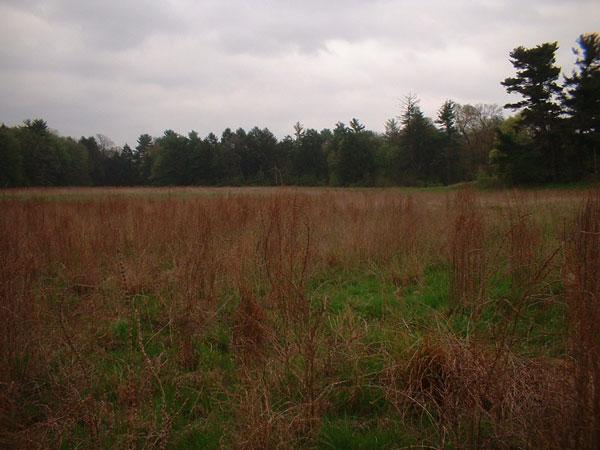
299, 318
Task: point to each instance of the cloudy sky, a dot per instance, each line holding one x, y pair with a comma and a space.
126, 67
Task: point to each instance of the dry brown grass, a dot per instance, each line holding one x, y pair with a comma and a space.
467, 251
213, 291
459, 388
524, 240
582, 283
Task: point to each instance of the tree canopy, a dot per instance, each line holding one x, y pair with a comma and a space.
552, 136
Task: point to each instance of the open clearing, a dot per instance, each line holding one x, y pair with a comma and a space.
299, 318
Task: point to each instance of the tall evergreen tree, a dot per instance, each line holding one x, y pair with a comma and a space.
309, 163
11, 162
392, 129
581, 101
172, 165
352, 157
260, 164
227, 161
143, 159
386, 153
418, 156
96, 160
128, 169
516, 159
536, 81
40, 159
356, 126
73, 158
446, 120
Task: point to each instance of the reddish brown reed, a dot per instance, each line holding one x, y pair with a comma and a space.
447, 382
523, 242
582, 284
251, 330
169, 266
467, 251
286, 251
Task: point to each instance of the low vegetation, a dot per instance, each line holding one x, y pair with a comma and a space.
299, 318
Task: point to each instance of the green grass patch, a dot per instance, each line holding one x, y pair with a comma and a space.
365, 293
348, 434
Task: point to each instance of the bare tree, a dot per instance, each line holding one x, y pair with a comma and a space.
477, 126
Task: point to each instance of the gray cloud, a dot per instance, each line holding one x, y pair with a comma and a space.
123, 68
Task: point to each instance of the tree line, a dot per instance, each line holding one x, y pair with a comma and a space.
552, 137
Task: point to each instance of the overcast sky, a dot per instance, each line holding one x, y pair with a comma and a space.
126, 67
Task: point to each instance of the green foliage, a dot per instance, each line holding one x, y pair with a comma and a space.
346, 434
197, 436
351, 157
32, 155
120, 330
516, 158
227, 162
536, 81
364, 294
419, 158
173, 160
430, 294
448, 142
143, 158
259, 162
96, 158
308, 160
581, 102
40, 157
11, 163
548, 142
476, 125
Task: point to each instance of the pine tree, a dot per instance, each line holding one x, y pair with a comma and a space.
446, 120
143, 159
11, 163
418, 153
536, 81
582, 104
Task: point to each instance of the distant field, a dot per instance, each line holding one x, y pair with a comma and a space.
299, 318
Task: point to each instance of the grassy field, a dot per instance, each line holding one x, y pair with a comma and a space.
299, 318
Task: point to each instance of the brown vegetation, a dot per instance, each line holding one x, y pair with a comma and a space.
139, 318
